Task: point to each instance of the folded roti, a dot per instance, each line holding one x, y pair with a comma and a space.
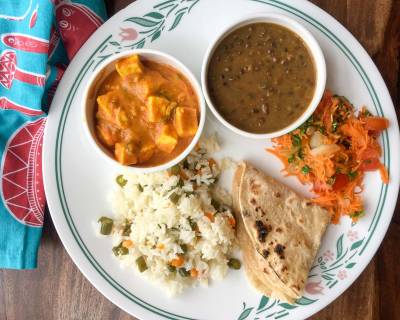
279, 233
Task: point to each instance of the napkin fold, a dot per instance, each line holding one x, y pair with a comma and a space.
37, 40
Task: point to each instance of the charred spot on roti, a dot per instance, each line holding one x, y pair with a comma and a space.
308, 203
284, 268
277, 195
279, 230
280, 250
262, 230
253, 201
265, 253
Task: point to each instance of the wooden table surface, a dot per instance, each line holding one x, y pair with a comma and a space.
57, 289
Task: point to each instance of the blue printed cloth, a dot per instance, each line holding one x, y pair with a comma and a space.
37, 40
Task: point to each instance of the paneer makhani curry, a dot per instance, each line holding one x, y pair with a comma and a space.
147, 112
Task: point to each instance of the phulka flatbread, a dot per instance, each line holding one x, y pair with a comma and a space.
279, 232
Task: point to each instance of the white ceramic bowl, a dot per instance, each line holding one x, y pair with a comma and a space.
89, 105
314, 49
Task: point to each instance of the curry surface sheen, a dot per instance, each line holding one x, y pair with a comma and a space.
261, 77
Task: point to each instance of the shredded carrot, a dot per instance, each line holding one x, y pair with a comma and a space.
127, 243
331, 151
194, 273
177, 262
160, 246
210, 216
232, 221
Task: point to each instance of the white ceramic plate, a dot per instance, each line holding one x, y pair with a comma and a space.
77, 180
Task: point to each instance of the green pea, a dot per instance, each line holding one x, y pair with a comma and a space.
234, 263
121, 181
106, 225
141, 264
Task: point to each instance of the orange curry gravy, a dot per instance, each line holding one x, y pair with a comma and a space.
147, 113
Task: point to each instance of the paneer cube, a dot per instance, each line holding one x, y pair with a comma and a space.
156, 108
168, 139
147, 85
126, 153
107, 133
146, 150
110, 108
186, 122
106, 104
129, 66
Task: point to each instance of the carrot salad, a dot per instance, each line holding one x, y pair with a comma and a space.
331, 151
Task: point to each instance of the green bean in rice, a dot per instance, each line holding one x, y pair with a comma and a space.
177, 236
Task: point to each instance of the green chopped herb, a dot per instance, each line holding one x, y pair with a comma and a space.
141, 264
366, 113
175, 169
291, 158
106, 225
185, 164
180, 183
120, 250
321, 129
171, 268
140, 188
335, 125
306, 169
121, 181
183, 272
193, 225
352, 175
296, 140
234, 263
184, 247
215, 204
300, 154
127, 229
357, 214
174, 197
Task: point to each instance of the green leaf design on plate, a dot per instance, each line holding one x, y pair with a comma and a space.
356, 244
350, 265
326, 277
143, 22
304, 301
156, 35
154, 15
177, 20
245, 313
287, 306
263, 302
114, 43
339, 246
164, 3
